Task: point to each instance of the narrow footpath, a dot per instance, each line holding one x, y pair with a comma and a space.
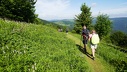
95, 65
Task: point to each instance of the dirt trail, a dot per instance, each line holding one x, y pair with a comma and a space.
95, 65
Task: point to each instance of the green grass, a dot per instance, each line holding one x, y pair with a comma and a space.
113, 59
29, 47
113, 56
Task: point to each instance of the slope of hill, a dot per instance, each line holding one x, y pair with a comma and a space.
46, 22
37, 48
113, 59
65, 22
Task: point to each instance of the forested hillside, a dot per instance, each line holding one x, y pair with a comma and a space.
68, 23
120, 24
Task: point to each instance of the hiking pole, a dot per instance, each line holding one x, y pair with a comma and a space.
80, 40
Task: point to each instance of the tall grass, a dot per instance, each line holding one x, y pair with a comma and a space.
112, 56
28, 47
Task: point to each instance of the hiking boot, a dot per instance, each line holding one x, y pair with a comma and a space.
85, 50
93, 58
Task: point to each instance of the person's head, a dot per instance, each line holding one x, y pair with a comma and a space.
93, 31
84, 27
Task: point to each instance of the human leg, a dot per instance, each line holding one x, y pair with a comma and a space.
93, 52
85, 45
95, 47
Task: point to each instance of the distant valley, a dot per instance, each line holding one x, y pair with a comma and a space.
65, 22
119, 24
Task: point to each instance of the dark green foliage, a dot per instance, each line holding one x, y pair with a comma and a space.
83, 19
113, 56
119, 38
103, 25
19, 10
120, 65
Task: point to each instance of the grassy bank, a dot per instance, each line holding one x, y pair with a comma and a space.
113, 56
30, 47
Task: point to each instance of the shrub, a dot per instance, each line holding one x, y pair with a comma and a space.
119, 38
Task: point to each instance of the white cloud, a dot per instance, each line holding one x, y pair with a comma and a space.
52, 9
119, 12
116, 12
64, 9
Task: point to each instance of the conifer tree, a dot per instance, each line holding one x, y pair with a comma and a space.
83, 19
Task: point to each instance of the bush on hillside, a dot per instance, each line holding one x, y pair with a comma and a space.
119, 38
113, 56
107, 39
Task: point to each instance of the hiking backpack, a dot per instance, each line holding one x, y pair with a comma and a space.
95, 39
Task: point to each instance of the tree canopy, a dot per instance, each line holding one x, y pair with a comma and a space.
19, 10
103, 25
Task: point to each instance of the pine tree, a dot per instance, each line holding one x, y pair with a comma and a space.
83, 19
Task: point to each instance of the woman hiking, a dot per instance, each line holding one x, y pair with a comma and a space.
94, 40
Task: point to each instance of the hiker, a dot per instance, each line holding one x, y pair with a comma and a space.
94, 40
85, 35
66, 31
60, 29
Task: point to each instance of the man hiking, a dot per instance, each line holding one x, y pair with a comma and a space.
85, 35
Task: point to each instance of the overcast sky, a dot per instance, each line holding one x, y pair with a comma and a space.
67, 9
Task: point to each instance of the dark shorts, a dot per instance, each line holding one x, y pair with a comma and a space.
85, 41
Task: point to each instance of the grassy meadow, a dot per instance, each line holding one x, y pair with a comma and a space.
28, 47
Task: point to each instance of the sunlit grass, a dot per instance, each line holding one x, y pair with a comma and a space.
29, 47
